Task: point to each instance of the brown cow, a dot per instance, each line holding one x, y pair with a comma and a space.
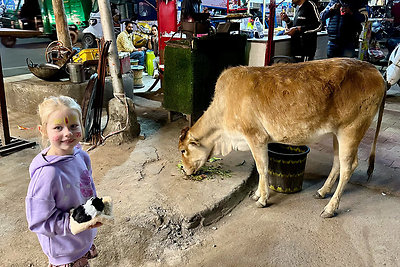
291, 104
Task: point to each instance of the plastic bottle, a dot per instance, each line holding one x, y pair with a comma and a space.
284, 25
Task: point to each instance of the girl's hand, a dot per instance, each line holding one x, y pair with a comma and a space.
98, 224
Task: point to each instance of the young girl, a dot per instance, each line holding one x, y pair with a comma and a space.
61, 179
153, 45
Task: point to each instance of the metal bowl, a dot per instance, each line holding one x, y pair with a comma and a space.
46, 71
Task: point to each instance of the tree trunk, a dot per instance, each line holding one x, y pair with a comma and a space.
113, 62
61, 23
121, 110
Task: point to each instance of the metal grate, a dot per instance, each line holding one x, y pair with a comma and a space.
14, 146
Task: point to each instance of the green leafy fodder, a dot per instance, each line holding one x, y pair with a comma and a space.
211, 170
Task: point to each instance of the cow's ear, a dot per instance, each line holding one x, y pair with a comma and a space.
183, 133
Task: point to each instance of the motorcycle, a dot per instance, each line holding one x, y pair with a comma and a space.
378, 34
393, 70
382, 35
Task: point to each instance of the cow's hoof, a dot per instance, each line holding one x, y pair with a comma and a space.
255, 197
318, 196
260, 205
325, 214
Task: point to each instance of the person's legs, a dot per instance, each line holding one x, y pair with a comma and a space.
81, 262
308, 58
143, 60
332, 50
349, 52
139, 55
156, 61
341, 50
346, 49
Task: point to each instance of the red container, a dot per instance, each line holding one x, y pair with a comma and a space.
125, 63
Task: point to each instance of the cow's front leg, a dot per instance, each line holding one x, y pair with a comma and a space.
264, 192
259, 152
256, 195
259, 192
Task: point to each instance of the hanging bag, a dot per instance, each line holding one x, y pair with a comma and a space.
259, 28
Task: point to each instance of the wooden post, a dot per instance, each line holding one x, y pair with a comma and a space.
269, 53
61, 23
5, 131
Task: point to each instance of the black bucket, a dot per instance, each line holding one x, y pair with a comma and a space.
286, 165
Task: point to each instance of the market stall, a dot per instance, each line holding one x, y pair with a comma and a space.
260, 54
258, 47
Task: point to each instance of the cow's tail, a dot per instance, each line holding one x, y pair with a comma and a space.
371, 160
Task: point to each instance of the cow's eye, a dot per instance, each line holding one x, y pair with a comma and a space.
194, 143
183, 151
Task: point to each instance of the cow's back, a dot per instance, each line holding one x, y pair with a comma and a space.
296, 101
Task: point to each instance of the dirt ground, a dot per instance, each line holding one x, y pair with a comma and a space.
146, 233
14, 180
141, 232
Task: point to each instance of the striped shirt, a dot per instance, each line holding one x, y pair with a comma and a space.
307, 17
304, 42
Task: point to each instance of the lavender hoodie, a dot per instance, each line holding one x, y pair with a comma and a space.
59, 183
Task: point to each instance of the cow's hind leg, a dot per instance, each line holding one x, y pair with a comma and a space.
333, 175
259, 152
348, 147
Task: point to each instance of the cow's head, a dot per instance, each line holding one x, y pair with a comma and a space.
194, 154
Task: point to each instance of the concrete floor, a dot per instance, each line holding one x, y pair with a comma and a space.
153, 203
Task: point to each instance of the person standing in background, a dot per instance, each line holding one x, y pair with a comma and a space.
303, 29
153, 45
344, 27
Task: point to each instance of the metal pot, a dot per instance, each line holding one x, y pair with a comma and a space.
76, 72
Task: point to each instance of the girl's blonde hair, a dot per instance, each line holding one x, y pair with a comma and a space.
50, 105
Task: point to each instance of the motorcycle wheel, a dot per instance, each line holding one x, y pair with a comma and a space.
88, 41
